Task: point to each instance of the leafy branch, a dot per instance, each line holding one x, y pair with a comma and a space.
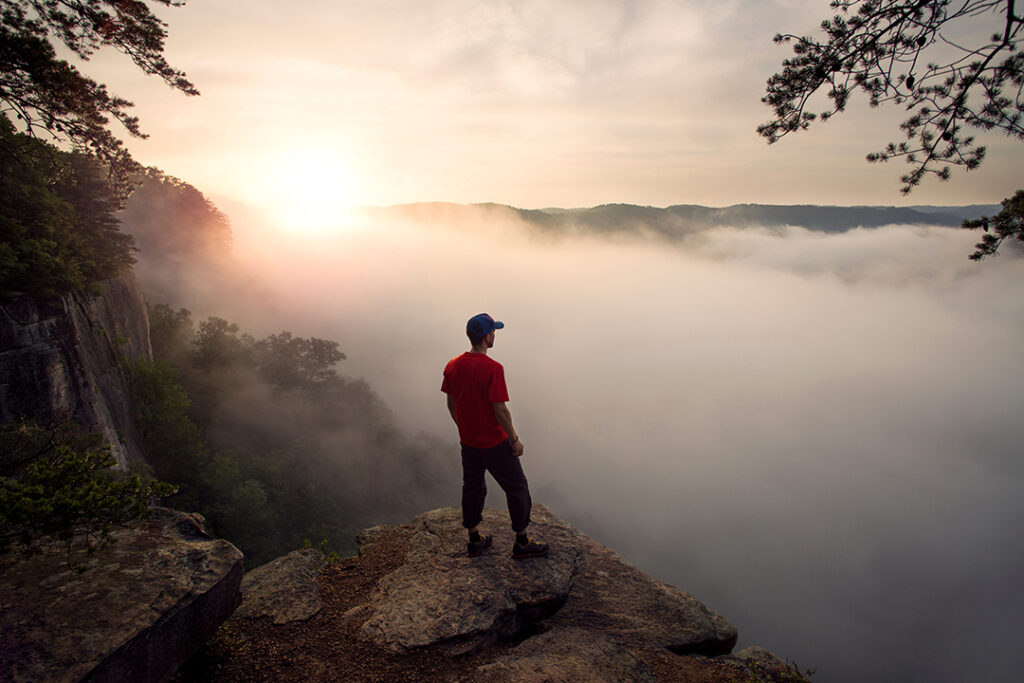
49, 97
880, 47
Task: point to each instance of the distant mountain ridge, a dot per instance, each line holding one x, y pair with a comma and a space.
678, 221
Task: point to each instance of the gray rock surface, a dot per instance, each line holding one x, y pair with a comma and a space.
441, 596
569, 655
143, 606
760, 659
285, 589
613, 595
581, 592
61, 361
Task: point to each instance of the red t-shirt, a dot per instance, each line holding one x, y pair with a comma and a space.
476, 381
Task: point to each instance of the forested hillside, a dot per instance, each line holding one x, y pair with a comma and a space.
272, 444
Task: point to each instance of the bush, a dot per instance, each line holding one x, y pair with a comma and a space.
58, 483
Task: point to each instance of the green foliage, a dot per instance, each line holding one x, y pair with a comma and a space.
45, 94
161, 406
173, 220
58, 232
59, 484
881, 47
270, 443
170, 332
1008, 223
330, 556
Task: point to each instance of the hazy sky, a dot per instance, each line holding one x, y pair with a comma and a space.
531, 102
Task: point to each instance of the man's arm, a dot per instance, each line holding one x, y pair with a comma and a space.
451, 408
504, 418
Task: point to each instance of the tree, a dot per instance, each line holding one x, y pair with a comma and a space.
1008, 223
881, 47
56, 482
48, 95
58, 231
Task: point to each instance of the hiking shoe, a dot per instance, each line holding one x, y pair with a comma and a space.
531, 549
474, 549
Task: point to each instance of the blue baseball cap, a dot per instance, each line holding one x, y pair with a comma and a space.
481, 325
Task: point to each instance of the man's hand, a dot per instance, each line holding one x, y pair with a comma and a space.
517, 448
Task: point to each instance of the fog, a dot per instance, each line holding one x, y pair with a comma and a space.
818, 436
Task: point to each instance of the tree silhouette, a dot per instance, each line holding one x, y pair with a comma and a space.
48, 96
882, 47
1008, 223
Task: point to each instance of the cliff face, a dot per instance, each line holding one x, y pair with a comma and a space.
62, 361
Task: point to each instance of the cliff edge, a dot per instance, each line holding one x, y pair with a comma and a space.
61, 361
412, 606
133, 611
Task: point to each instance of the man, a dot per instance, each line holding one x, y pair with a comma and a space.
475, 385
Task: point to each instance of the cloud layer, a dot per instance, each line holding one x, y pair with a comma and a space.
817, 435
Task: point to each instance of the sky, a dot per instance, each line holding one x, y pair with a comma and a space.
530, 103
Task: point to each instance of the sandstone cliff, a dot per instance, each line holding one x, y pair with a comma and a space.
61, 360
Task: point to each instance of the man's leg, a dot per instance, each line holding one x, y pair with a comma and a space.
474, 489
507, 470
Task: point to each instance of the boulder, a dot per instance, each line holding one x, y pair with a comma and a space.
134, 611
568, 655
614, 596
285, 589
439, 596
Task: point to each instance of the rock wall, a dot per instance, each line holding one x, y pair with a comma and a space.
61, 360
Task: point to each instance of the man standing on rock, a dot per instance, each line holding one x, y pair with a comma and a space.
477, 396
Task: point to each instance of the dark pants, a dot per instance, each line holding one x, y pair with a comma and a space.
504, 466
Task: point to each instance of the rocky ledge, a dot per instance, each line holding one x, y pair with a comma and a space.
134, 611
413, 606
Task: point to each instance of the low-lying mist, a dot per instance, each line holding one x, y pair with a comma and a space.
818, 435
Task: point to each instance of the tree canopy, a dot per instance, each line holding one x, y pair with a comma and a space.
58, 229
919, 54
49, 96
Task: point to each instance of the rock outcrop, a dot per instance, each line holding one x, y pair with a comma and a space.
581, 612
139, 610
285, 589
413, 606
61, 361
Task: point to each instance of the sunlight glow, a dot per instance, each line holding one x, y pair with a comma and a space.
304, 190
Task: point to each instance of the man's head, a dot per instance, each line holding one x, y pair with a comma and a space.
480, 329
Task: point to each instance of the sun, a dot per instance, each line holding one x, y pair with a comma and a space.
305, 190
